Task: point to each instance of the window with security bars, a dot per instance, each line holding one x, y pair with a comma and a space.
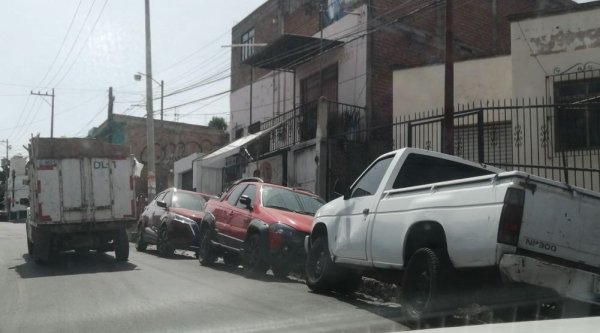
248, 38
577, 114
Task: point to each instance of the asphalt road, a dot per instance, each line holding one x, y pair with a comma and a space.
92, 293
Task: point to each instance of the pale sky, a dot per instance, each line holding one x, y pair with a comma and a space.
187, 39
105, 47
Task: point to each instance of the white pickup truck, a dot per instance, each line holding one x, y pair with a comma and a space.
421, 215
82, 197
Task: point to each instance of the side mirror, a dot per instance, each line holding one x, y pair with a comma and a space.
341, 189
161, 204
246, 201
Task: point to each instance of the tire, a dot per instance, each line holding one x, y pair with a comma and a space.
140, 243
232, 259
421, 285
29, 247
322, 275
122, 246
163, 244
206, 251
253, 258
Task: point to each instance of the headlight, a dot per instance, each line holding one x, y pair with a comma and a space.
183, 219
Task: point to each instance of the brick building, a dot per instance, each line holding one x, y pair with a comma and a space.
173, 141
350, 53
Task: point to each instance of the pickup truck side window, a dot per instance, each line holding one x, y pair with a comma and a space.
369, 182
235, 194
422, 169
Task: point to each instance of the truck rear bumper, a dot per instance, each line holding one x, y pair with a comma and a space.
66, 228
567, 281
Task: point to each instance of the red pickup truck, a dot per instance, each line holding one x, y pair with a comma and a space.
259, 225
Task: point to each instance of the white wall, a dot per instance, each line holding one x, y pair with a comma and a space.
421, 89
273, 93
550, 45
184, 165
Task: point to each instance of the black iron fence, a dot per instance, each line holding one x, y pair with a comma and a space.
556, 141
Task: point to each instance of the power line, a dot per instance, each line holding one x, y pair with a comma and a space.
74, 43
84, 43
62, 44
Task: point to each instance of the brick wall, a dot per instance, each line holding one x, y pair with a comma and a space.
173, 142
418, 40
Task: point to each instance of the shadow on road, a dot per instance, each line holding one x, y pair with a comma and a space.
178, 255
500, 304
238, 270
71, 263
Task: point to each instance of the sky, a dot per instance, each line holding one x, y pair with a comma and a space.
82, 47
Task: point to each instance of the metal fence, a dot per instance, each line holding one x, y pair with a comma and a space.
528, 135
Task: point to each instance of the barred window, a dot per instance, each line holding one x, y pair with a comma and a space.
248, 38
577, 114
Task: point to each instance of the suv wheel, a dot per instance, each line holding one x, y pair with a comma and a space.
206, 250
253, 257
140, 243
163, 245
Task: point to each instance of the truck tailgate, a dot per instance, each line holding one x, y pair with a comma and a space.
84, 190
562, 222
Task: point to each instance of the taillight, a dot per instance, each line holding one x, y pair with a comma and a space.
511, 217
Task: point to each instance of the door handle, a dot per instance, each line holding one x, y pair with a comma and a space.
366, 211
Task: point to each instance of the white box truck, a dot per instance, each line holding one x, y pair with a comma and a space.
82, 197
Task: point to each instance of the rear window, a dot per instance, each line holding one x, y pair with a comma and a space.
422, 169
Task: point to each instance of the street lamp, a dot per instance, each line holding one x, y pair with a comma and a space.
138, 77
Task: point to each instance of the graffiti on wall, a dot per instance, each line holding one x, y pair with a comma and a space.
167, 153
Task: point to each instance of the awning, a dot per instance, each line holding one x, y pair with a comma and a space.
289, 51
217, 158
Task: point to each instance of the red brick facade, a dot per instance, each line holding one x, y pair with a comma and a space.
404, 35
173, 142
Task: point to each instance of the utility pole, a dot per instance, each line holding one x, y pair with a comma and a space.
149, 111
448, 144
111, 103
6, 172
52, 106
162, 99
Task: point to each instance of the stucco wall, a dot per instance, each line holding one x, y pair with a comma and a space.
422, 89
273, 93
551, 45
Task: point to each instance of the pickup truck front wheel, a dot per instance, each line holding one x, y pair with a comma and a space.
322, 275
422, 284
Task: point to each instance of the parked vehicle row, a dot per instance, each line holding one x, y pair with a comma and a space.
419, 218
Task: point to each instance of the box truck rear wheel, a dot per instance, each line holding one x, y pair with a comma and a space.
122, 246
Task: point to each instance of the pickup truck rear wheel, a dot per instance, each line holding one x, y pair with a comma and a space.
422, 285
122, 246
206, 250
321, 273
